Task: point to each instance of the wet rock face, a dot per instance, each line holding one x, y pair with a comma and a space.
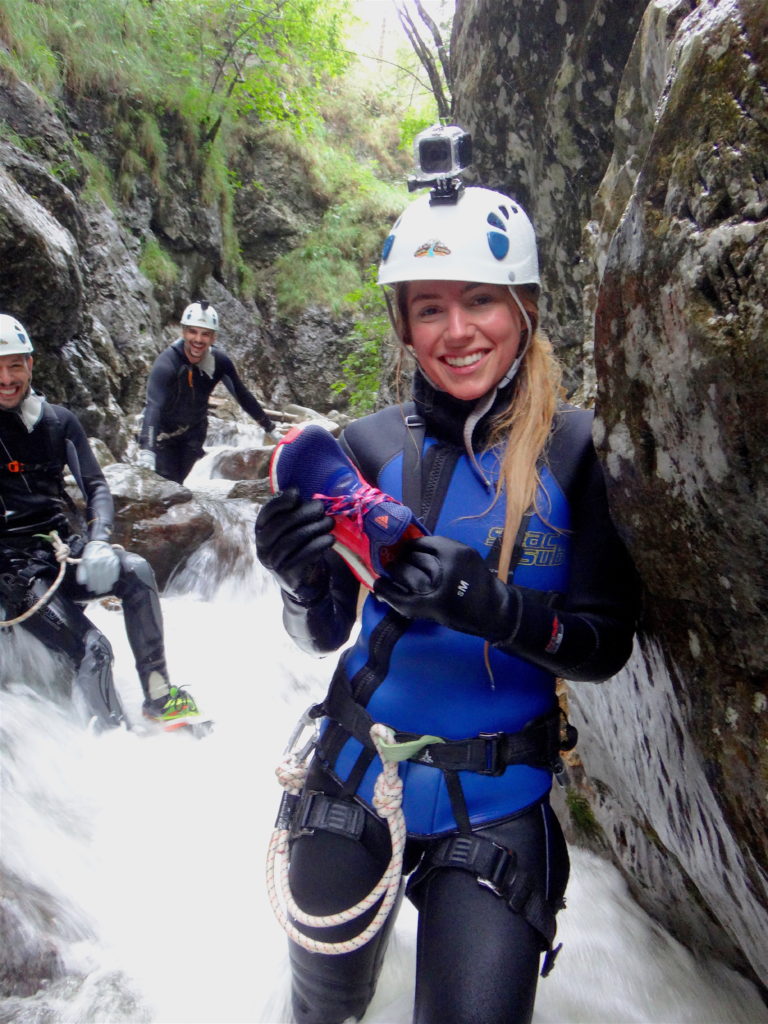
70, 264
538, 91
671, 259
682, 362
156, 518
29, 960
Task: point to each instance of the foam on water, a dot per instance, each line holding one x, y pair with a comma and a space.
149, 852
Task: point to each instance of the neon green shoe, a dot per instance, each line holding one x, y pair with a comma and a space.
175, 709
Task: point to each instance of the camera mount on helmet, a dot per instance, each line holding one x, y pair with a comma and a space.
441, 153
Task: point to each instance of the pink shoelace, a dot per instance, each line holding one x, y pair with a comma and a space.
354, 506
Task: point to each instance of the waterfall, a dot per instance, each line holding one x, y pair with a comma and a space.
136, 862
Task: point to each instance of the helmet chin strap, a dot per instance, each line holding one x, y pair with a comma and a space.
485, 401
511, 373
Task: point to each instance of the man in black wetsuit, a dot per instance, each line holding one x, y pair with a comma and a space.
38, 442
181, 380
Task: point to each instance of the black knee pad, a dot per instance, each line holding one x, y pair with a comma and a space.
134, 565
95, 683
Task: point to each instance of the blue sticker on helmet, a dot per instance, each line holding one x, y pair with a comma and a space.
498, 244
495, 221
387, 247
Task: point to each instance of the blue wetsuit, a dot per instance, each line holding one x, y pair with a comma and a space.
577, 615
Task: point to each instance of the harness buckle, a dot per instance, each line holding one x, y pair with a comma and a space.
329, 814
15, 466
494, 763
500, 873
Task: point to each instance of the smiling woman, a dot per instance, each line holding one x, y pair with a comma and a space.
517, 577
465, 336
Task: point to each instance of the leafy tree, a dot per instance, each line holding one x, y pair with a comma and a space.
261, 57
363, 369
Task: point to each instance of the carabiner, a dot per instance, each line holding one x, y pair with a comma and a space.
305, 722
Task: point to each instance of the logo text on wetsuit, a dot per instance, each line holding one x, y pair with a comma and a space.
542, 549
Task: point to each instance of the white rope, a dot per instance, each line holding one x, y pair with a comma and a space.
387, 799
61, 551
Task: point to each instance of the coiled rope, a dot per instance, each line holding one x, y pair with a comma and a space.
62, 553
387, 799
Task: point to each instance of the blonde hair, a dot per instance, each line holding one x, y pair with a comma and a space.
522, 429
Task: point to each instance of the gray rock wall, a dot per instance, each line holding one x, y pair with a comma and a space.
655, 241
537, 86
70, 263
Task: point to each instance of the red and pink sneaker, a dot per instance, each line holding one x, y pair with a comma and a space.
369, 525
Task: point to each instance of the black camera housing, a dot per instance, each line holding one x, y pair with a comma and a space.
441, 153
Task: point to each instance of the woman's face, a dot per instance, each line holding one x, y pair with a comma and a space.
465, 336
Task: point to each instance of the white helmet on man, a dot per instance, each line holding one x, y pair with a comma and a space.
484, 236
14, 339
200, 314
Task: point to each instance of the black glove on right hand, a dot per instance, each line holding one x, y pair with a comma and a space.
291, 538
444, 580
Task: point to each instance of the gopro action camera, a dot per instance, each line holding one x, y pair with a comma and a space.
441, 153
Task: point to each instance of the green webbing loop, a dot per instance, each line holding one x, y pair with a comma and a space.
402, 751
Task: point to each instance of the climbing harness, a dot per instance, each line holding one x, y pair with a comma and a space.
497, 869
62, 554
387, 800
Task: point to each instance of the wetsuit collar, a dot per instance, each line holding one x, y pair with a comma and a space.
207, 364
31, 410
463, 423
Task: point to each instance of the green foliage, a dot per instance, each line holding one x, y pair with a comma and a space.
205, 59
208, 74
156, 265
415, 120
99, 182
363, 368
329, 265
582, 816
265, 58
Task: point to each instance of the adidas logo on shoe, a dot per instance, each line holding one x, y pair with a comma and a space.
369, 526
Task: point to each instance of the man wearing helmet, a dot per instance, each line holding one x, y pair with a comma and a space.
520, 578
38, 442
175, 421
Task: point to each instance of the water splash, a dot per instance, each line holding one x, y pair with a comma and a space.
136, 864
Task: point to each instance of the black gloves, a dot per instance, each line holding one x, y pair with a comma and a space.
448, 582
291, 538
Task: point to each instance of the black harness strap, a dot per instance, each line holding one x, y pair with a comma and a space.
537, 744
496, 869
412, 468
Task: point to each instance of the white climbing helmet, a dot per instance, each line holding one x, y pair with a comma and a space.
200, 314
484, 236
14, 339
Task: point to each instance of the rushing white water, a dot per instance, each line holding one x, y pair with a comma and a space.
148, 853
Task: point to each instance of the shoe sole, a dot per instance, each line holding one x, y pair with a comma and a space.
194, 723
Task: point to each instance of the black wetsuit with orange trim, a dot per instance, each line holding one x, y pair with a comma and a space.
176, 414
39, 442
